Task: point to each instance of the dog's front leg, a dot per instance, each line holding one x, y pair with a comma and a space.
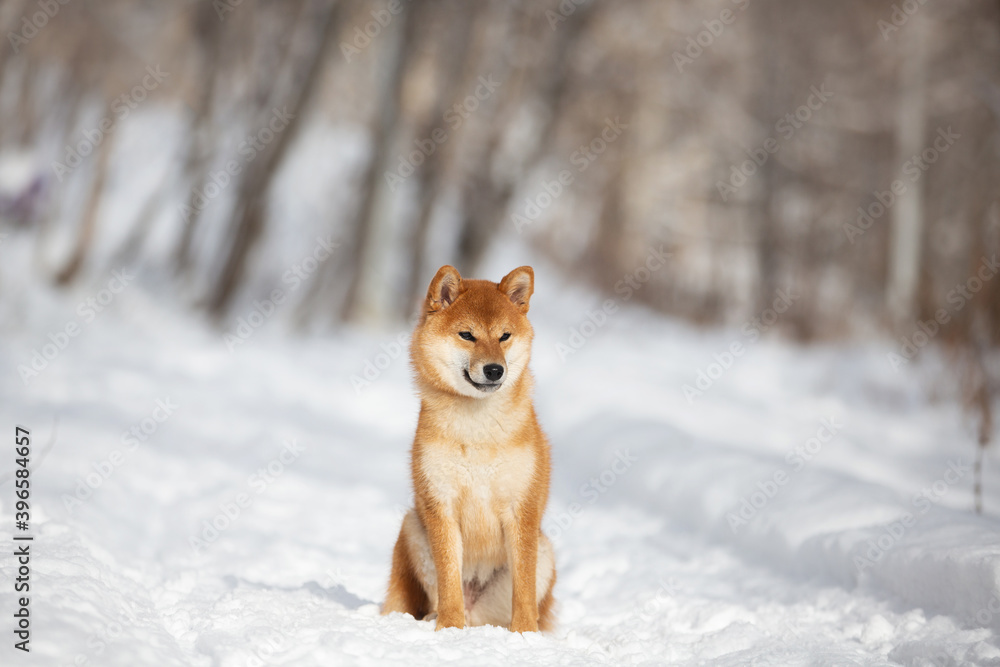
522, 554
446, 549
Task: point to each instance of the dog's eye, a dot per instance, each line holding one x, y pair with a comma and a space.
467, 335
504, 337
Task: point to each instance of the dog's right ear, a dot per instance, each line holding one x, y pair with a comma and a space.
444, 289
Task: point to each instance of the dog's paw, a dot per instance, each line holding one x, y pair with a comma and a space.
450, 621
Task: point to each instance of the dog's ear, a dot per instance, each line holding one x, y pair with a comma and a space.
519, 285
444, 288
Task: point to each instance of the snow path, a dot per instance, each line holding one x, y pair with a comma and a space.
650, 571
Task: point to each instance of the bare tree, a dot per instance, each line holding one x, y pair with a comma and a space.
459, 70
907, 212
487, 194
208, 36
365, 299
88, 223
247, 221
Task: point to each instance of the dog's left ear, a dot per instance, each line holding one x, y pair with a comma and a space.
519, 285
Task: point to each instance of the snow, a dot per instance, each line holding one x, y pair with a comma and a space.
313, 474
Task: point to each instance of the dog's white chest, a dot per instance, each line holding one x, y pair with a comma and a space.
489, 475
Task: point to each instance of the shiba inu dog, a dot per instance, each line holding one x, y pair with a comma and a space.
471, 551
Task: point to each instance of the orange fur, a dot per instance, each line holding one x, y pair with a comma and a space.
471, 551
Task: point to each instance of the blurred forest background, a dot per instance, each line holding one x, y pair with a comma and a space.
847, 150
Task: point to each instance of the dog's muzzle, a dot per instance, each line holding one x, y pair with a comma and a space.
494, 378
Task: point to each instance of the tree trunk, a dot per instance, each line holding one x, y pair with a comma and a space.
770, 104
208, 30
486, 198
367, 296
89, 221
247, 221
907, 214
460, 71
11, 16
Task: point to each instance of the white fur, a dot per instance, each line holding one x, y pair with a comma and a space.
489, 480
482, 472
452, 360
494, 604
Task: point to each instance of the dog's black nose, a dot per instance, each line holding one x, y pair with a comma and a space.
493, 372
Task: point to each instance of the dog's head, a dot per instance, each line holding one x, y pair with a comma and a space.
474, 338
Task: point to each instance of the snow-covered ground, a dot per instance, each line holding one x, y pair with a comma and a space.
810, 507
